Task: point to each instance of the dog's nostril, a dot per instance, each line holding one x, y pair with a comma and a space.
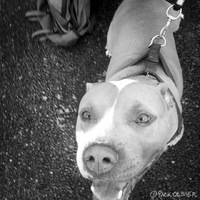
107, 160
91, 159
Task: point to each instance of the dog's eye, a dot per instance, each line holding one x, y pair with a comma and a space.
85, 115
143, 119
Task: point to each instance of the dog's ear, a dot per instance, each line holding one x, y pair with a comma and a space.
88, 86
91, 85
164, 89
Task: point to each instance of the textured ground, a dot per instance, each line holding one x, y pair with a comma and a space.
40, 87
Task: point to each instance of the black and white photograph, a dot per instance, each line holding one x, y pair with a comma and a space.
99, 99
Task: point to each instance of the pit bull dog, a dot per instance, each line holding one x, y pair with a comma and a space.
125, 123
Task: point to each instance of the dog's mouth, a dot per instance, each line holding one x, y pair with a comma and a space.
110, 190
104, 190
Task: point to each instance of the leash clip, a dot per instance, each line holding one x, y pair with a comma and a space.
171, 17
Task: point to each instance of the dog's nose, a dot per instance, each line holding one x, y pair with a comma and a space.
100, 159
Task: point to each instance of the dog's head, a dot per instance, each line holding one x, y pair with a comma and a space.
122, 128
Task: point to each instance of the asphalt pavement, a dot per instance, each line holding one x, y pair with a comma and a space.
40, 89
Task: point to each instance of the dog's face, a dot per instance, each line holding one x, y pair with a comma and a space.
122, 127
